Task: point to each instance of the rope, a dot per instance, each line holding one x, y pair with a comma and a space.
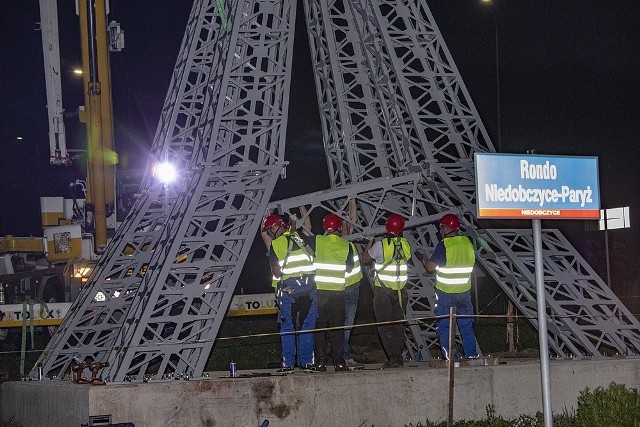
359, 325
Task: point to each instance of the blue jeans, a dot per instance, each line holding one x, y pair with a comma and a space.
298, 312
464, 307
351, 297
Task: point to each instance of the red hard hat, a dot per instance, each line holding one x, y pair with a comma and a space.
272, 220
331, 222
451, 221
395, 224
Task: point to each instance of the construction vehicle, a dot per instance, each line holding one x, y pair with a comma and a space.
400, 131
47, 269
53, 268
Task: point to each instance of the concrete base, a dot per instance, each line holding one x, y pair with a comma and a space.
390, 397
484, 361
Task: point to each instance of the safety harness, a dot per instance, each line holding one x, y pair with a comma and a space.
400, 260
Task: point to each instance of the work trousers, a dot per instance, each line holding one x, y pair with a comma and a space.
297, 312
330, 314
464, 307
351, 297
388, 306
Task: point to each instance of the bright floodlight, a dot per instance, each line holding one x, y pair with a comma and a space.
165, 172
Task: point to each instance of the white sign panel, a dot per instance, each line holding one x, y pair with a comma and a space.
614, 218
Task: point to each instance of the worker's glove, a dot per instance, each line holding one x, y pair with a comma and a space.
421, 256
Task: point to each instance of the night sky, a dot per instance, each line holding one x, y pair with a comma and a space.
569, 85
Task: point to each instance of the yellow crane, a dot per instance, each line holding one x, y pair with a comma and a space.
98, 116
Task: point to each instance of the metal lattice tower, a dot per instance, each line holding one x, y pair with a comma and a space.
399, 131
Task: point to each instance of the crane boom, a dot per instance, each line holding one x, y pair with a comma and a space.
51, 50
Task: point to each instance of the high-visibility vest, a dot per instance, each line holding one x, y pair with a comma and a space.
293, 255
355, 275
455, 276
392, 273
330, 262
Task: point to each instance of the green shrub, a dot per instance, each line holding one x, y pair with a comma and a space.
493, 420
615, 406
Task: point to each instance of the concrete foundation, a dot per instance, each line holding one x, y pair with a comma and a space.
392, 397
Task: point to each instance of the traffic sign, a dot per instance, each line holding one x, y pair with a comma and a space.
537, 186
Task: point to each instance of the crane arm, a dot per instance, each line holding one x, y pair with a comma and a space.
51, 53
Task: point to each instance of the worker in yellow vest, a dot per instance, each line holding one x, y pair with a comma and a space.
389, 294
453, 260
333, 261
291, 259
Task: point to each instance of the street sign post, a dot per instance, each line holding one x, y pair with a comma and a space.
534, 186
612, 219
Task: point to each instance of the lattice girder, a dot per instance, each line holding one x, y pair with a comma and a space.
223, 124
585, 318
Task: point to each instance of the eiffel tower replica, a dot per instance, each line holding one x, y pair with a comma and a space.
399, 130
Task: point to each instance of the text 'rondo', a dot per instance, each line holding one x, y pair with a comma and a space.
537, 171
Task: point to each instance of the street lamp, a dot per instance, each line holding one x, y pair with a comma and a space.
495, 23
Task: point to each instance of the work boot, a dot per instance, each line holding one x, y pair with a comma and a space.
320, 367
352, 364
